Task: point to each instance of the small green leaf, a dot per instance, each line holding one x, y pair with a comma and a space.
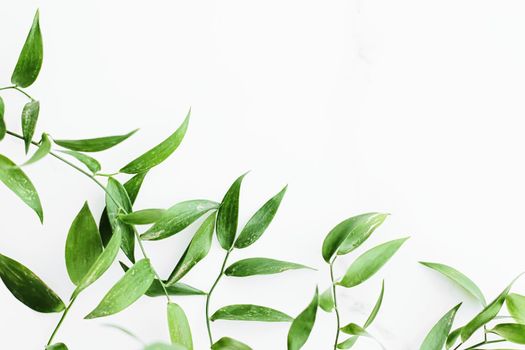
179, 327
94, 145
83, 245
303, 324
159, 153
2, 120
459, 278
31, 56
142, 217
437, 337
261, 266
29, 119
91, 163
117, 202
226, 343
249, 312
18, 182
366, 265
512, 332
126, 291
453, 337
57, 346
326, 300
28, 287
354, 329
162, 346
348, 343
377, 307
228, 215
43, 150
516, 307
197, 250
177, 218
260, 221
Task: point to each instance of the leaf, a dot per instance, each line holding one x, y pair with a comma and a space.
2, 121
117, 201
228, 215
159, 153
302, 325
326, 300
28, 287
249, 312
459, 278
29, 119
512, 332
142, 217
437, 337
96, 144
162, 346
453, 337
377, 307
179, 327
43, 150
57, 346
348, 343
516, 307
126, 291
261, 266
18, 182
197, 250
350, 234
260, 221
83, 245
366, 265
226, 343
91, 163
354, 329
177, 218
31, 56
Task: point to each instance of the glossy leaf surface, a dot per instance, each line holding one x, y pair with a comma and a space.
302, 325
437, 337
512, 332
179, 327
94, 145
260, 266
91, 163
31, 57
249, 312
57, 346
228, 215
226, 343
354, 329
43, 150
377, 307
29, 119
117, 202
516, 307
142, 217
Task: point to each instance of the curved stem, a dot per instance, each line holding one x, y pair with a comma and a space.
334, 294
208, 296
64, 314
14, 87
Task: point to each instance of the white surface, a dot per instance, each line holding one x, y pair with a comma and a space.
410, 107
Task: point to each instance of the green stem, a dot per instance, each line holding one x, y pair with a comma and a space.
14, 87
208, 296
334, 294
485, 343
64, 314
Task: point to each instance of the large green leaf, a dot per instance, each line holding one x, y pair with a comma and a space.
94, 145
260, 221
143, 217
57, 346
366, 265
437, 337
159, 153
512, 332
18, 182
43, 150
226, 343
459, 278
303, 324
177, 218
28, 287
83, 245
179, 327
326, 300
516, 307
249, 312
91, 163
117, 202
228, 215
197, 250
2, 120
29, 119
261, 266
126, 291
31, 56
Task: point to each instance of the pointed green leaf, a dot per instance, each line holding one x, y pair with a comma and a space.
303, 324
43, 150
96, 144
366, 265
18, 182
177, 218
437, 337
228, 215
453, 337
261, 266
28, 287
126, 291
142, 217
377, 307
354, 329
29, 119
83, 245
512, 332
57, 346
117, 202
348, 343
31, 56
249, 312
226, 343
260, 221
326, 300
459, 278
91, 163
2, 120
159, 153
179, 327
516, 307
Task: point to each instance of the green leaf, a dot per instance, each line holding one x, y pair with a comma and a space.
459, 278
83, 245
43, 150
94, 145
512, 332
377, 307
18, 182
366, 265
453, 337
57, 346
302, 325
516, 307
142, 217
261, 266
2, 121
31, 56
28, 287
159, 153
260, 221
91, 163
226, 343
117, 202
29, 119
350, 234
326, 300
197, 250
354, 329
228, 215
437, 337
162, 346
348, 343
177, 218
126, 291
179, 327
249, 312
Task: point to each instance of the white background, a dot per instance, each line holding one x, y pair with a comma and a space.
409, 107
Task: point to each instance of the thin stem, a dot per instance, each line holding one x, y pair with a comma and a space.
208, 296
64, 314
334, 293
485, 343
14, 87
